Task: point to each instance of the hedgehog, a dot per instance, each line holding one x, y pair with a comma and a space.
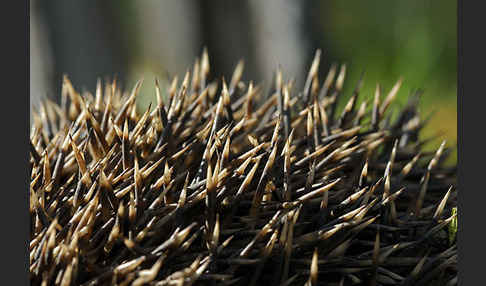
224, 184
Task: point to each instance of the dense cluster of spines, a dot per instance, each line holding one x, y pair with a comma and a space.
222, 185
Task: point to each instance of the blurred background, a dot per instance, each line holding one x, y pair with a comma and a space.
91, 39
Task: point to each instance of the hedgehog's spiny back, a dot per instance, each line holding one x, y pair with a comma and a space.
220, 183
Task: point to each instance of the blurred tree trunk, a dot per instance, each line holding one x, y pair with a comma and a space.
85, 37
226, 29
168, 35
281, 38
40, 59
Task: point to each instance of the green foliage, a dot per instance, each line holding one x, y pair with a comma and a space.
389, 39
